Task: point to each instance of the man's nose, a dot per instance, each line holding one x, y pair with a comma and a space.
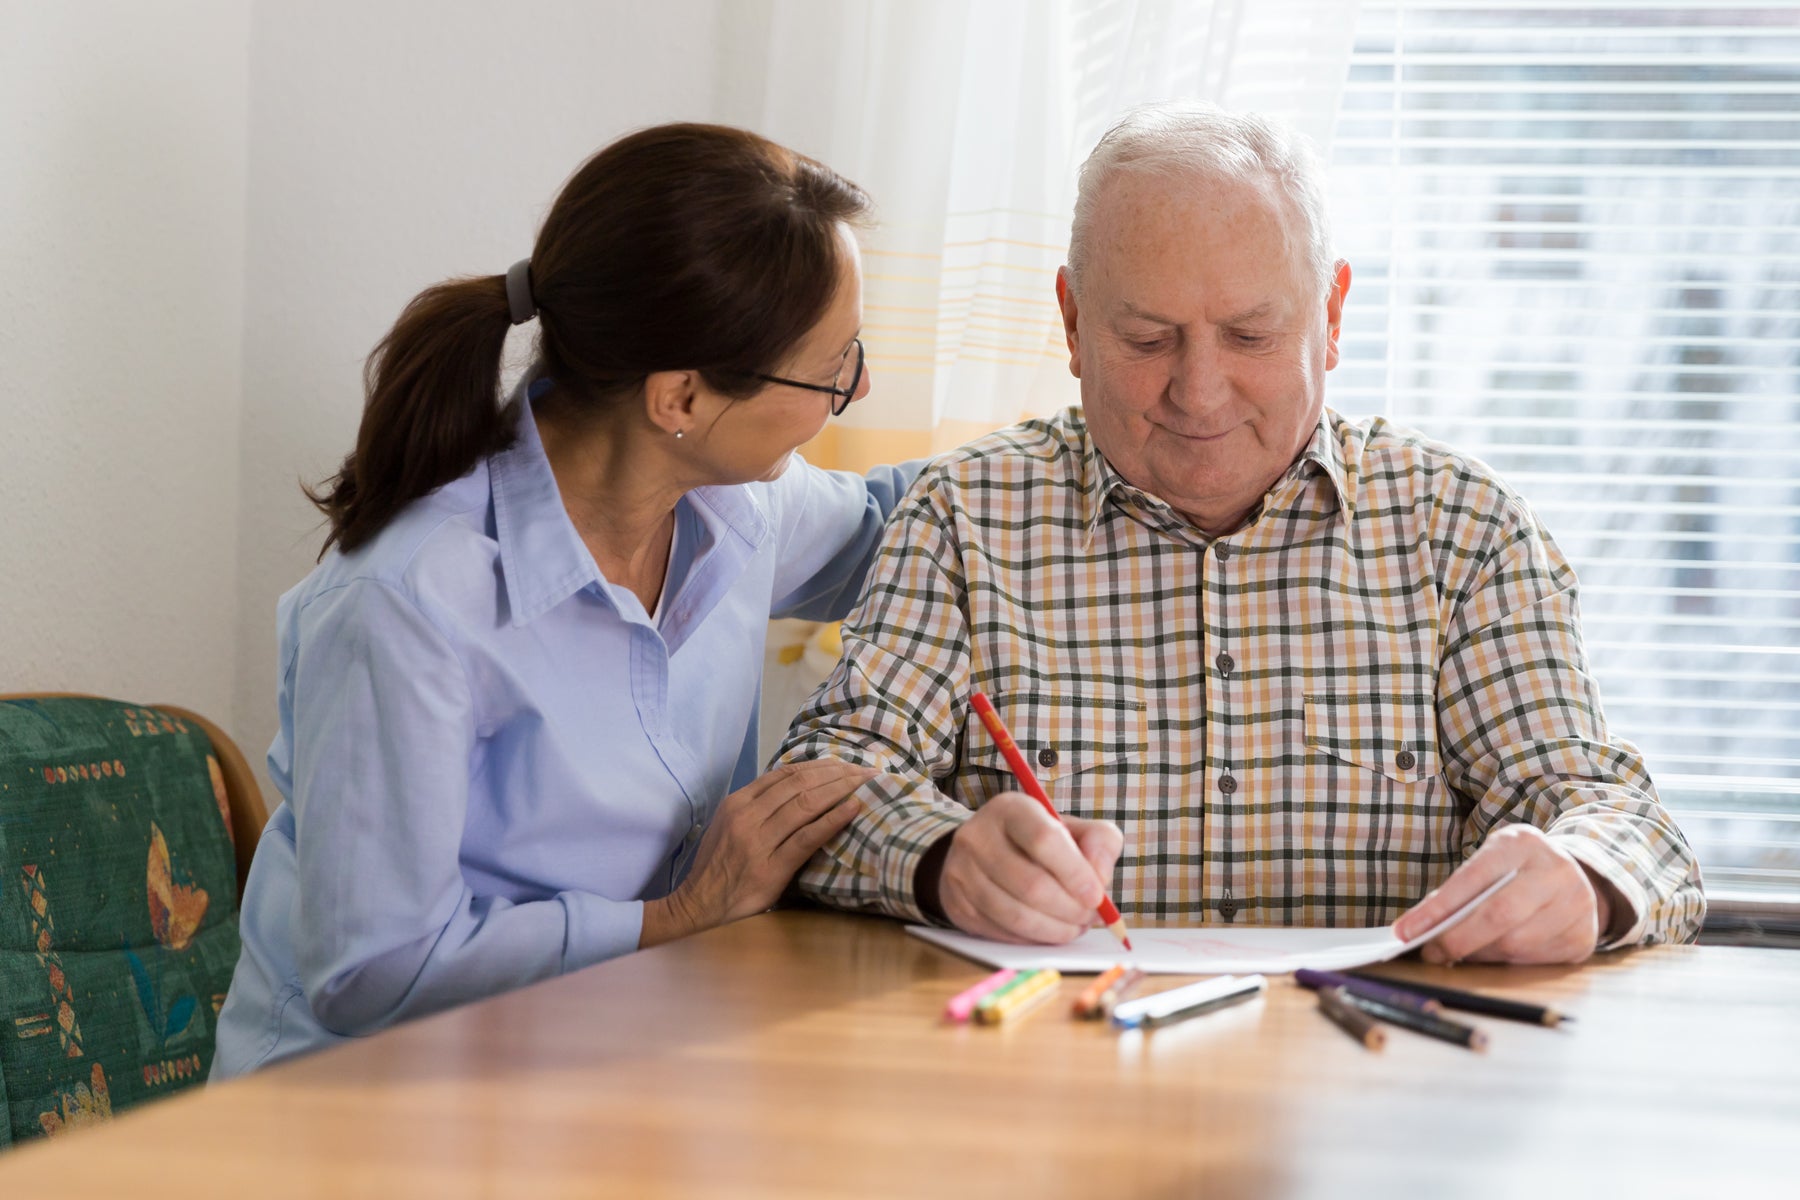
1197, 382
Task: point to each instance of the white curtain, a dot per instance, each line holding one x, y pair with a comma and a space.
967, 120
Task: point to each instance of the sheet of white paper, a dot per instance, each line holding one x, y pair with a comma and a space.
1211, 950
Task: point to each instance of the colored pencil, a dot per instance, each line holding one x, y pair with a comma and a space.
1489, 1006
1436, 1027
1358, 1025
1121, 988
1386, 991
963, 1003
1028, 782
1178, 1004
1088, 1003
1017, 998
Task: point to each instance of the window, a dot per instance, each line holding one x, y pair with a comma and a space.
1575, 230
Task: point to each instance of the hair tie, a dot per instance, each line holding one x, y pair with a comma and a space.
518, 292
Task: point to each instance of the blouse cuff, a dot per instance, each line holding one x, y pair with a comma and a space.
599, 929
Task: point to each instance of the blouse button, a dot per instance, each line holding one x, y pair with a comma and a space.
1406, 760
1228, 784
1047, 757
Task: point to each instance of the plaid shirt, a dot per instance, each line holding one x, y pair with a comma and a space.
1310, 721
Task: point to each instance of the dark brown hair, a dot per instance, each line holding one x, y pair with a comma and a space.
680, 247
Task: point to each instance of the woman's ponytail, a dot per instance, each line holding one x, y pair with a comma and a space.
432, 408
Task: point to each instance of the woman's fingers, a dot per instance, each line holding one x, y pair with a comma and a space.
806, 795
804, 842
764, 832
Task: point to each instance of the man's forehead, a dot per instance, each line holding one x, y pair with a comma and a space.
1128, 308
1162, 241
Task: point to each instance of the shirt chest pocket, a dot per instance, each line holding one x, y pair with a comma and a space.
1392, 735
1062, 735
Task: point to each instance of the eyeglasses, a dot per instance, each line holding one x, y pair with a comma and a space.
840, 396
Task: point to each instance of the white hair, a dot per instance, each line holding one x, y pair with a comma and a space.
1195, 139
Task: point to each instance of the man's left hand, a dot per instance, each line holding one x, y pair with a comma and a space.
1551, 912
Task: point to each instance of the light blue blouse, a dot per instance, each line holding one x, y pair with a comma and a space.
490, 756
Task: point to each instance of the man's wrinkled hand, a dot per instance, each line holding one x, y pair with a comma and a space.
1552, 912
1016, 874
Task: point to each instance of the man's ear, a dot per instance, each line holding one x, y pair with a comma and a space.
669, 401
1065, 300
1334, 311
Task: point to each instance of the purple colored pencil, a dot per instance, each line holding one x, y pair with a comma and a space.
1397, 997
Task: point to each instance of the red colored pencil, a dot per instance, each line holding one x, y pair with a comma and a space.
1022, 770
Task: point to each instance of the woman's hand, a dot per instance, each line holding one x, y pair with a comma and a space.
758, 839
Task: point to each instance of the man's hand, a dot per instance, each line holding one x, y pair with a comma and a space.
1014, 873
1551, 913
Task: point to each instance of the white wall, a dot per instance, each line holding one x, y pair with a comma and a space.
122, 152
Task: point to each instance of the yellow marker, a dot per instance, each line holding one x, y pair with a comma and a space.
1023, 996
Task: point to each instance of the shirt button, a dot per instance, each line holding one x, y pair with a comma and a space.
1228, 784
1228, 908
695, 832
1222, 551
1225, 663
1405, 760
1047, 757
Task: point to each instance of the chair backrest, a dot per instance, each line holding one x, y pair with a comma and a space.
125, 834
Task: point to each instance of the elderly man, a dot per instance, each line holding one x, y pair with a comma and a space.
1275, 666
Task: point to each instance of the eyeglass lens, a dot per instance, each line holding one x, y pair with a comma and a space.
841, 400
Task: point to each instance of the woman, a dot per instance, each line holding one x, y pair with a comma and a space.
521, 683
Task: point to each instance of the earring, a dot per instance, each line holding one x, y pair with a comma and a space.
678, 433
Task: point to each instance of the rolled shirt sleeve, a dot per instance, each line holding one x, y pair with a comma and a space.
895, 701
1523, 734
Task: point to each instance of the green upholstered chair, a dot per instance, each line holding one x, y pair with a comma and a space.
126, 831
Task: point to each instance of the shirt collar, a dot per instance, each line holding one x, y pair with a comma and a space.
1329, 453
732, 507
1098, 479
1326, 453
542, 559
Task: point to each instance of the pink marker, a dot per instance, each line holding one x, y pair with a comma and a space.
963, 1003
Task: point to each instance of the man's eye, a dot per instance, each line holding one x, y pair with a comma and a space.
1146, 345
1250, 340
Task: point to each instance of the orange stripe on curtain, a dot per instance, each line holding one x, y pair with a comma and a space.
845, 448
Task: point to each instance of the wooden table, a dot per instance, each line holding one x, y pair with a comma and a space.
802, 1054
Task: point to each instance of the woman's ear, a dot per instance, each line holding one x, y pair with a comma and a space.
669, 401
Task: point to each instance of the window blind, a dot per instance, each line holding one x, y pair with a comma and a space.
1575, 236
